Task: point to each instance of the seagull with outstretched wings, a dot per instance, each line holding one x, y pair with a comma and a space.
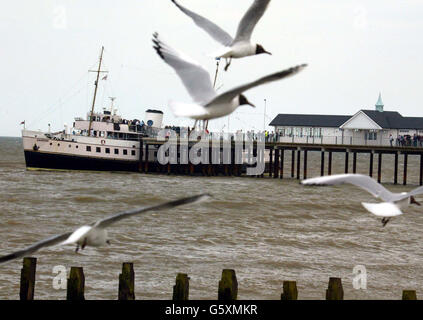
393, 203
240, 46
96, 234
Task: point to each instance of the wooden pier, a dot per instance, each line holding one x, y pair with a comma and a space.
276, 162
304, 149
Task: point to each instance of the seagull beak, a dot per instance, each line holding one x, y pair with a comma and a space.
267, 52
249, 103
413, 201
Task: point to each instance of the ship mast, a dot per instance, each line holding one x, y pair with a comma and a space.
95, 90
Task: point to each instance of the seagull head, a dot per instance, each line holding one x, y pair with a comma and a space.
260, 49
243, 100
414, 201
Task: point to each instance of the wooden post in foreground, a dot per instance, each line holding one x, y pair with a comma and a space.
290, 291
409, 295
181, 287
28, 279
335, 290
127, 282
76, 284
228, 286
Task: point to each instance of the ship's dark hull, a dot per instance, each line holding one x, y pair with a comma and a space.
43, 160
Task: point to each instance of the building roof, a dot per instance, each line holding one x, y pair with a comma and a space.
309, 120
385, 119
394, 120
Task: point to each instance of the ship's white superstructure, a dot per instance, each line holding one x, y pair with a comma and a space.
102, 141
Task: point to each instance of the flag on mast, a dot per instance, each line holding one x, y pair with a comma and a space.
104, 78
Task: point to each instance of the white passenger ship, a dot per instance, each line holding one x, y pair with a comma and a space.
104, 141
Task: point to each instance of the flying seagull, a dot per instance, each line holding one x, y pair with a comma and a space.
207, 103
96, 234
241, 45
393, 202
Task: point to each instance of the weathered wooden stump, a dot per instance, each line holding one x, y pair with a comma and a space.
29, 266
181, 287
76, 284
409, 295
127, 282
335, 290
228, 286
290, 291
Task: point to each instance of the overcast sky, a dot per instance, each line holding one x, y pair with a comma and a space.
355, 49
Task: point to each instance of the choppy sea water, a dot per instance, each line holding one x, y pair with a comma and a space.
268, 230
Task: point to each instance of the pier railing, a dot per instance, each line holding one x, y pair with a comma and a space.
227, 287
347, 141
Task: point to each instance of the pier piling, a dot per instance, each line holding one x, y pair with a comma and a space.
276, 166
298, 163
181, 287
127, 282
330, 163
379, 167
27, 287
409, 295
354, 162
396, 168
405, 168
76, 284
322, 163
293, 164
282, 162
335, 290
371, 164
305, 165
228, 286
271, 162
290, 291
347, 155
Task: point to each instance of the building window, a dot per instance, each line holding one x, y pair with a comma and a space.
372, 136
98, 149
298, 132
107, 150
89, 148
133, 152
125, 152
116, 151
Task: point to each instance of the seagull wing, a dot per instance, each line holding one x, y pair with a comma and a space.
414, 192
250, 20
384, 209
231, 94
35, 247
211, 28
194, 77
359, 180
164, 206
